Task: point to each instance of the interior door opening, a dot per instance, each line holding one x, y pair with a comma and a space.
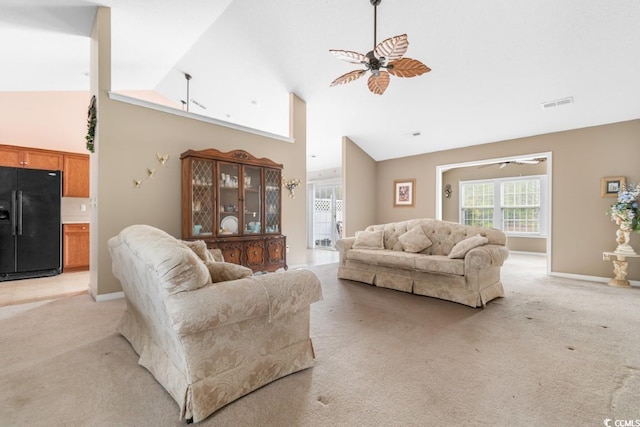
327, 215
447, 188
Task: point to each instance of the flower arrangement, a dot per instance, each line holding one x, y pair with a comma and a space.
625, 211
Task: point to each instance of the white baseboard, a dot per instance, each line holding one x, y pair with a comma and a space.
107, 297
598, 279
590, 278
541, 254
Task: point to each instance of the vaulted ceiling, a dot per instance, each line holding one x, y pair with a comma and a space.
493, 64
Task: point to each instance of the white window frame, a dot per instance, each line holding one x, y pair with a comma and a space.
498, 199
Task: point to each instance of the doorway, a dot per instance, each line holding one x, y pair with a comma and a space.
442, 192
326, 215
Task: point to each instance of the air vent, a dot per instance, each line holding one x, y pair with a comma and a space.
557, 103
412, 134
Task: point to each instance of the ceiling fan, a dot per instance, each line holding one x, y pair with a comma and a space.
386, 55
504, 164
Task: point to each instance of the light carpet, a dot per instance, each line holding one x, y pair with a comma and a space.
554, 352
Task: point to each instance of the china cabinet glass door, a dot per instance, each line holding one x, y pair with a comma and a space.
202, 214
272, 200
253, 223
228, 199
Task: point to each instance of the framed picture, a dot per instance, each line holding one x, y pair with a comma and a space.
404, 193
611, 185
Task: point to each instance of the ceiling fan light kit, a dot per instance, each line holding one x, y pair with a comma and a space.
386, 55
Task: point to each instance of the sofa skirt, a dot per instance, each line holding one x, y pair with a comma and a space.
442, 286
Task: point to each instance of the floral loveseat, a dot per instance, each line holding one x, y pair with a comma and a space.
209, 332
428, 257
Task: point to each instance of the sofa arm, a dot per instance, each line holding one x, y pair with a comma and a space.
270, 295
486, 256
343, 245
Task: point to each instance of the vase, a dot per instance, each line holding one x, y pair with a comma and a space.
622, 238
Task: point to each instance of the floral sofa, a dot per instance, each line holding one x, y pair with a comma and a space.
429, 257
209, 331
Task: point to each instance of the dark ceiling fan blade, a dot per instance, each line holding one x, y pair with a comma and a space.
349, 56
516, 162
407, 67
528, 161
378, 84
392, 48
349, 77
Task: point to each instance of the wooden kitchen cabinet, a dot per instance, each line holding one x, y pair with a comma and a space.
75, 247
30, 158
233, 202
76, 175
75, 167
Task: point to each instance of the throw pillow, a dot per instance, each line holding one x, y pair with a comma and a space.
463, 246
200, 249
216, 254
415, 240
369, 240
180, 269
224, 271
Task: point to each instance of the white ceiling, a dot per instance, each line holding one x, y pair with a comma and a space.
494, 62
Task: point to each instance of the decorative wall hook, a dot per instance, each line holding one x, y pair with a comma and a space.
291, 186
447, 191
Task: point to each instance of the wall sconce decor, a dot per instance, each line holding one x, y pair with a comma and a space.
291, 186
447, 191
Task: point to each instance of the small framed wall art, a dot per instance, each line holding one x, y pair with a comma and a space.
404, 193
611, 185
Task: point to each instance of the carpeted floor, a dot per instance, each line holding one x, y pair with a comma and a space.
554, 352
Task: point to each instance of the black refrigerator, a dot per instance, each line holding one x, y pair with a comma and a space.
30, 223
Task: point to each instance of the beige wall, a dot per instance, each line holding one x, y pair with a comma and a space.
451, 206
129, 137
359, 172
581, 158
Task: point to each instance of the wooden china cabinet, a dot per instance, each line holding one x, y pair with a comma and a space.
233, 202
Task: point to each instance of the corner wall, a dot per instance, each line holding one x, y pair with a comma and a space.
359, 176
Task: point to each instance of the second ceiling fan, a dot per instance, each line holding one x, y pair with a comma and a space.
386, 55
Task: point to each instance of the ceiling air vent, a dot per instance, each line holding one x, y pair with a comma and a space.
557, 102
